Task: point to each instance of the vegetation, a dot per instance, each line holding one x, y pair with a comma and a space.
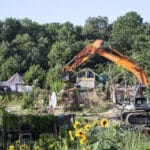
100, 134
38, 52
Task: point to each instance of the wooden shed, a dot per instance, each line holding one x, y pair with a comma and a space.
86, 78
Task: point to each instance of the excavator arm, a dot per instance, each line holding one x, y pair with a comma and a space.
116, 57
126, 63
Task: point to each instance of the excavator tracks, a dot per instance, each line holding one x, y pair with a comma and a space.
136, 118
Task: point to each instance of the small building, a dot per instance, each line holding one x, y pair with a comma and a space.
86, 78
16, 84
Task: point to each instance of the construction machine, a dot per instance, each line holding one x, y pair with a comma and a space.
139, 114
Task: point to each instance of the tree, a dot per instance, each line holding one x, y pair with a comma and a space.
59, 53
4, 51
9, 67
124, 28
53, 78
1, 30
11, 28
66, 32
35, 74
51, 31
141, 45
96, 28
43, 48
32, 28
23, 46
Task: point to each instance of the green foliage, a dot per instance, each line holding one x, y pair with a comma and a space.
53, 79
120, 138
25, 43
107, 137
124, 28
66, 32
9, 67
48, 141
141, 46
27, 100
96, 27
39, 124
59, 53
10, 29
35, 74
10, 121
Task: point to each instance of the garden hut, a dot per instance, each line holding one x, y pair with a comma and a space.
86, 78
16, 83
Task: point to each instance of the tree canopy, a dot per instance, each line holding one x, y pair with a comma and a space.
38, 50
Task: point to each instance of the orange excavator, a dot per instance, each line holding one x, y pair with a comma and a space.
140, 113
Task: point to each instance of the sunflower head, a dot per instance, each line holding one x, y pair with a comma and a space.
36, 148
17, 142
83, 139
87, 127
11, 147
76, 125
104, 122
23, 146
78, 133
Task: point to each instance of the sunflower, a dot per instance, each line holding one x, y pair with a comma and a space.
78, 133
76, 125
83, 139
23, 147
17, 142
104, 122
36, 148
87, 127
71, 136
11, 147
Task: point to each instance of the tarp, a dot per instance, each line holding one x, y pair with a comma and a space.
15, 79
16, 83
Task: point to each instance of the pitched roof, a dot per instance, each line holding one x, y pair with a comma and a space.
15, 79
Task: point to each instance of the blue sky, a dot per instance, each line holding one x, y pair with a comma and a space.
75, 11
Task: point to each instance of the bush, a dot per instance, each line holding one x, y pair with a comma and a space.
38, 124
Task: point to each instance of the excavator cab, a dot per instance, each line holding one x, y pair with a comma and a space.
140, 99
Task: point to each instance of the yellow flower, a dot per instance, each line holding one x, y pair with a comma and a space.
83, 139
71, 136
104, 122
76, 125
23, 147
17, 142
11, 147
87, 127
85, 148
36, 148
78, 133
149, 147
81, 134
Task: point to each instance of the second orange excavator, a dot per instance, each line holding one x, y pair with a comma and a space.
140, 114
